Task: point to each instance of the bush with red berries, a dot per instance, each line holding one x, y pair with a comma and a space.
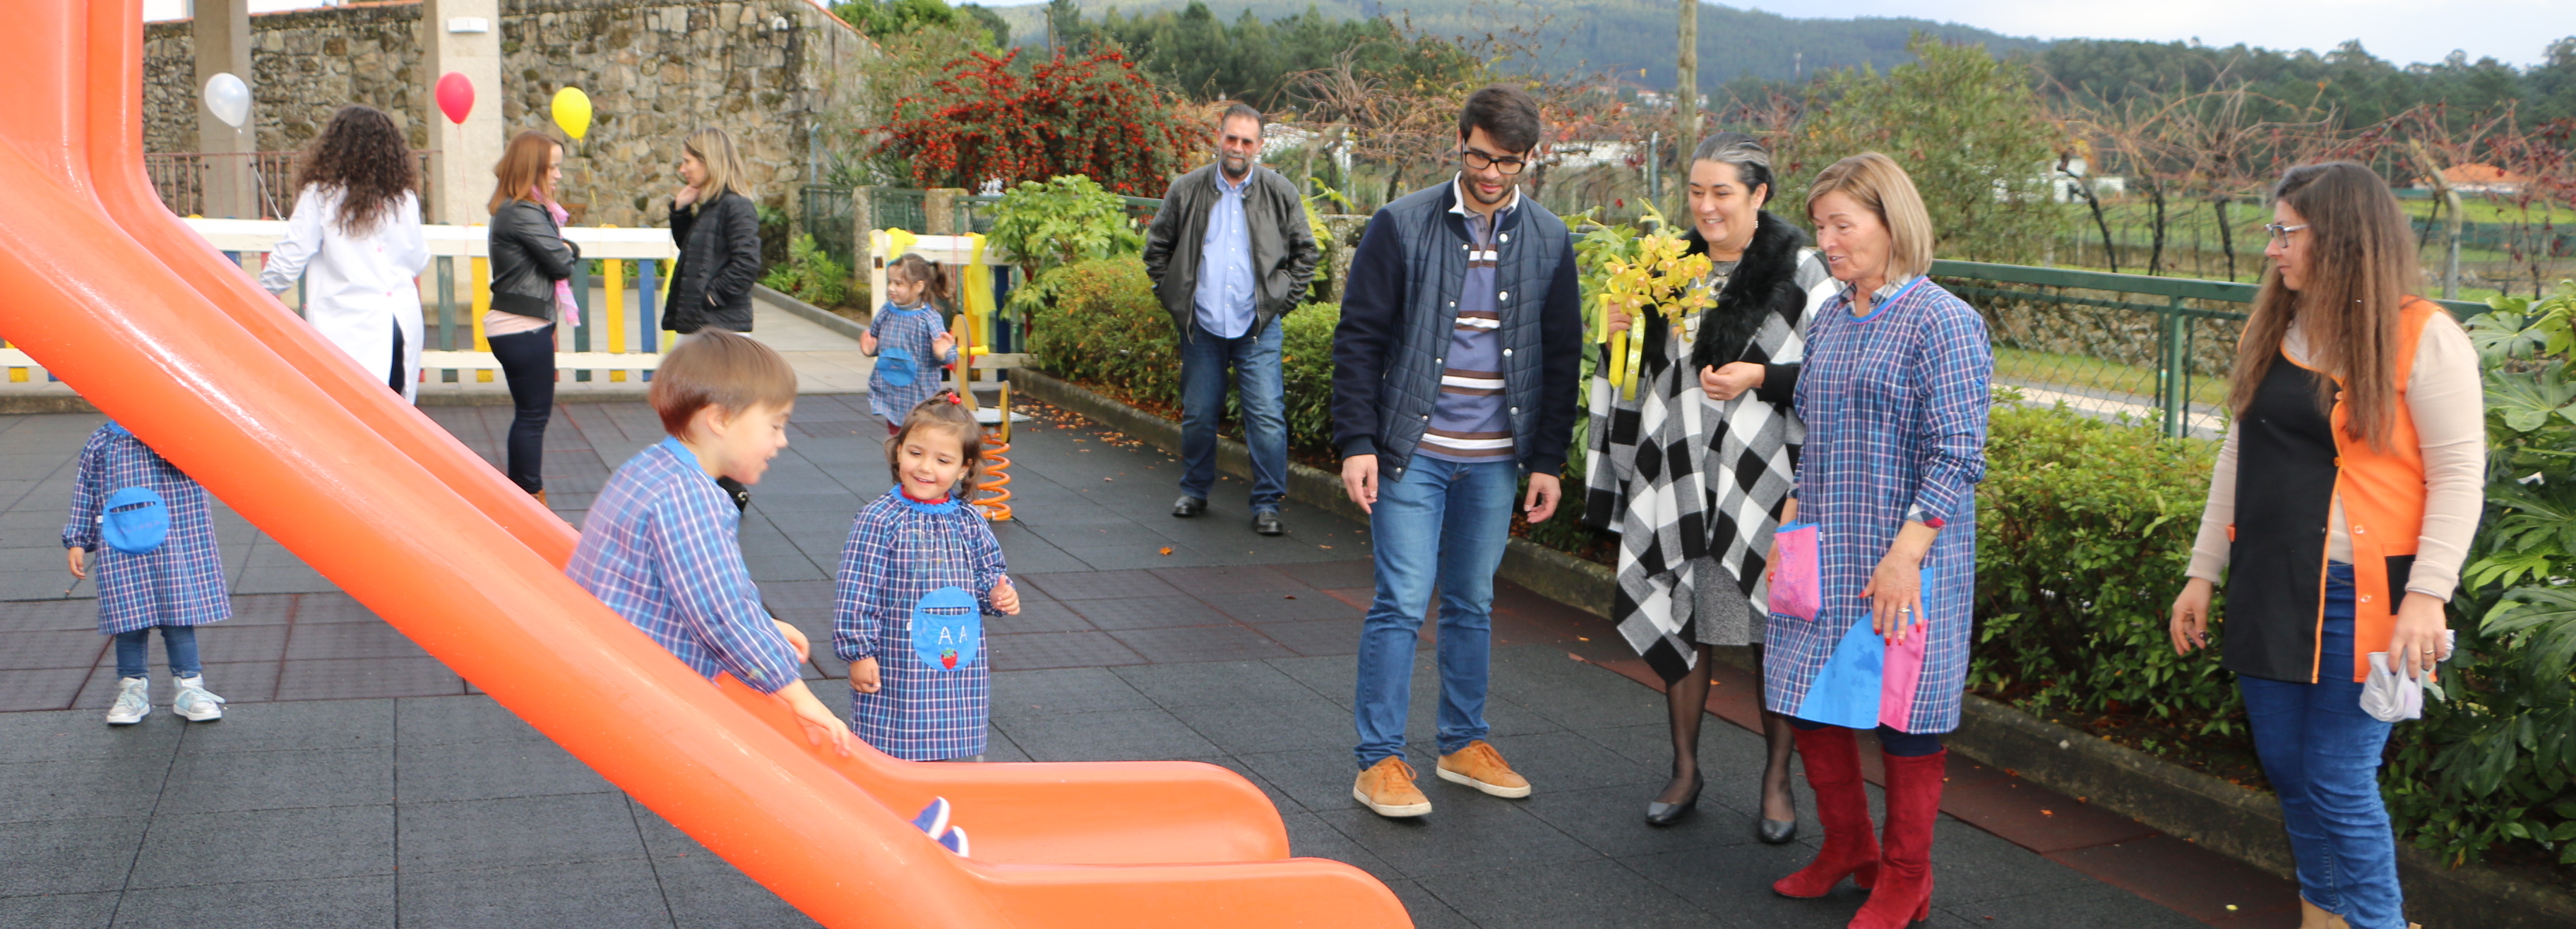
1092, 115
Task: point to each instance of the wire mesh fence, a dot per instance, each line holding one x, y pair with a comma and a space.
826, 213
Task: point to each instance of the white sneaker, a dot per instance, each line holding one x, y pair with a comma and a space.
195, 702
133, 701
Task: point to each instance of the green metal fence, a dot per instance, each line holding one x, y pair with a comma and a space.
975, 213
899, 208
2157, 349
825, 213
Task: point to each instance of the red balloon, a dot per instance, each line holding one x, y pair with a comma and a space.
455, 97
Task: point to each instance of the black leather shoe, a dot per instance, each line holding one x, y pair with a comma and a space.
1267, 522
1775, 831
1188, 506
1665, 814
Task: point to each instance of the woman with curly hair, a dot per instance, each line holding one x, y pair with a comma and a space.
355, 233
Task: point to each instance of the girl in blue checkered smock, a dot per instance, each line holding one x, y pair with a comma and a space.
174, 588
918, 575
909, 339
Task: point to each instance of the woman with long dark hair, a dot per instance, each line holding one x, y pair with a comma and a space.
530, 264
2345, 497
355, 233
1695, 472
718, 231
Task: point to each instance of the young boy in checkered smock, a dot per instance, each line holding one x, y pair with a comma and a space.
918, 575
908, 339
660, 545
174, 588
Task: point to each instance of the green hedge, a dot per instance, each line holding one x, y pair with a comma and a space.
2084, 529
1107, 331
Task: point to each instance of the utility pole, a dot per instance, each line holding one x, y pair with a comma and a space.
1686, 94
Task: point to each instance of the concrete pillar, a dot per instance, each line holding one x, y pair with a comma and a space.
220, 30
939, 210
463, 36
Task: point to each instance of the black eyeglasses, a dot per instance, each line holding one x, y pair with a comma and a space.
1479, 161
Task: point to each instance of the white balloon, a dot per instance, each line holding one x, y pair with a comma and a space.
228, 98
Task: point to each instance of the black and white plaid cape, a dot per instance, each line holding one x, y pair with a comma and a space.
1680, 476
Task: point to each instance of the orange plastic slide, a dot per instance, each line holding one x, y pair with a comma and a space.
109, 291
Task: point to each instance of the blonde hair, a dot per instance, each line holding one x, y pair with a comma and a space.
1878, 185
719, 369
2361, 271
521, 169
714, 149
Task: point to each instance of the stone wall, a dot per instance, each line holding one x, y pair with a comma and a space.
654, 70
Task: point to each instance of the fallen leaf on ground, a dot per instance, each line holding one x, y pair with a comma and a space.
1167, 549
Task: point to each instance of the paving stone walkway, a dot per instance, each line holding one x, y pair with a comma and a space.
356, 782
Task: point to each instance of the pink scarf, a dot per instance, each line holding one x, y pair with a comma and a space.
563, 289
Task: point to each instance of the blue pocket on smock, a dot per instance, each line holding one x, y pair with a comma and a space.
947, 626
895, 365
133, 521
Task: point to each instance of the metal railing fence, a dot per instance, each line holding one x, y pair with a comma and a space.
2158, 349
181, 179
826, 213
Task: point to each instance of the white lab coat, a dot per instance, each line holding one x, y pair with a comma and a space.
357, 288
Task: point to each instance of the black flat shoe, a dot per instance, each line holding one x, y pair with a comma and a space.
1188, 506
1659, 813
1267, 522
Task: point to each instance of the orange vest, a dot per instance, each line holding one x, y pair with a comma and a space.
2382, 494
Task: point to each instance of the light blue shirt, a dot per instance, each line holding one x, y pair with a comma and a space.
1226, 284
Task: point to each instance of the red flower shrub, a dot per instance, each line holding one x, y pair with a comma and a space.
1093, 116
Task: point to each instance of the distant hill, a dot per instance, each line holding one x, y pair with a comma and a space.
1612, 35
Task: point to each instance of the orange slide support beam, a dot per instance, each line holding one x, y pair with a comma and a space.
108, 291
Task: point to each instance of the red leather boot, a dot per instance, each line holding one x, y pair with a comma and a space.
1832, 758
1904, 892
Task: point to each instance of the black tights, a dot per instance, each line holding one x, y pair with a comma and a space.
528, 361
1688, 700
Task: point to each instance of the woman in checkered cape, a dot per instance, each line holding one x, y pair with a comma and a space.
1694, 471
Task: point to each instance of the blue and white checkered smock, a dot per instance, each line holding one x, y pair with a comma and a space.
900, 551
659, 546
1895, 406
179, 584
906, 371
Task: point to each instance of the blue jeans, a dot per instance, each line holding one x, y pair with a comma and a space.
1439, 522
2322, 754
1254, 361
133, 651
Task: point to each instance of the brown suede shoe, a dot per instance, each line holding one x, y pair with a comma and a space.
541, 498
1386, 788
1481, 767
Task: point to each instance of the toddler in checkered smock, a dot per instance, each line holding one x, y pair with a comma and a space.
175, 587
919, 573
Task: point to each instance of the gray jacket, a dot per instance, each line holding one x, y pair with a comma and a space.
1283, 246
1400, 306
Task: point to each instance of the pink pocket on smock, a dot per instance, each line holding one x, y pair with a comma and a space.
1796, 579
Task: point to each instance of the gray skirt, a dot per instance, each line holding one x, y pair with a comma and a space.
1719, 610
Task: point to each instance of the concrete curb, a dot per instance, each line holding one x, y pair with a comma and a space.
2234, 821
1553, 574
818, 315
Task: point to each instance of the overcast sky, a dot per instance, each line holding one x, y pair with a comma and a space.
2514, 31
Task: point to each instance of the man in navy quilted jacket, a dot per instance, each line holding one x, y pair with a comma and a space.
1454, 375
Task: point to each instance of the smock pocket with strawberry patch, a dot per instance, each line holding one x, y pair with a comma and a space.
947, 629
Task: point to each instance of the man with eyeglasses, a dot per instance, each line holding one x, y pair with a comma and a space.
1229, 253
1454, 375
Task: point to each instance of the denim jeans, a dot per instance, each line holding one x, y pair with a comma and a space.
1444, 523
528, 361
133, 651
2322, 753
1254, 361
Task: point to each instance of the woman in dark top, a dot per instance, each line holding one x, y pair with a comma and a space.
530, 264
1695, 471
718, 231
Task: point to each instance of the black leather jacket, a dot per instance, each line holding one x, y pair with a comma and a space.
719, 261
529, 255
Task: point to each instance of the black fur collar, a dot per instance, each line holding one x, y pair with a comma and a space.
1764, 282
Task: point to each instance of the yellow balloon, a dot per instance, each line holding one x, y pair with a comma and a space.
572, 111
